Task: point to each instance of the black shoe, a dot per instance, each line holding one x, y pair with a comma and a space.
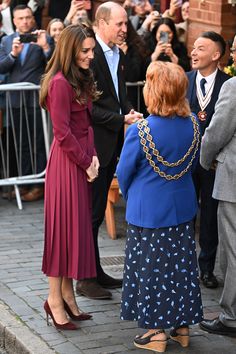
106, 281
217, 327
209, 280
92, 290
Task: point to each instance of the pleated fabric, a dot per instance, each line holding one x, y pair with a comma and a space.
161, 285
68, 249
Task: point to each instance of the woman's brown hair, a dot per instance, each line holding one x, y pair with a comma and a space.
54, 20
165, 90
64, 60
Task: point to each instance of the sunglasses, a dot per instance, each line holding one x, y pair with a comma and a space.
232, 50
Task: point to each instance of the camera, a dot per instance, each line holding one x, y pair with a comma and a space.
28, 37
164, 37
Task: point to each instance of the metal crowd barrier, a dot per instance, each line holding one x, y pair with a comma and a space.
6, 106
139, 85
23, 89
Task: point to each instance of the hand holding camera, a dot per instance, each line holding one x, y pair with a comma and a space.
17, 47
41, 39
174, 5
151, 20
37, 37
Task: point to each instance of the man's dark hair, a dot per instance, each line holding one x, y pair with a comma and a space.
21, 7
217, 38
0, 18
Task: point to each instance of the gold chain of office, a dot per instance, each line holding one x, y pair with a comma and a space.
145, 130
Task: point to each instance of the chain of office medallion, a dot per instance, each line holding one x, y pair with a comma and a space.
143, 124
156, 152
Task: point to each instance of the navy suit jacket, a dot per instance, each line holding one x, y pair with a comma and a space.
30, 71
109, 110
221, 77
153, 201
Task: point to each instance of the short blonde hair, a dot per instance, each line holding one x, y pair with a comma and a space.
165, 90
103, 13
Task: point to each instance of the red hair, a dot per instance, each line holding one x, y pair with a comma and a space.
165, 90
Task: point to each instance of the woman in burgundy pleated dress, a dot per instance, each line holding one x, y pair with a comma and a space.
67, 91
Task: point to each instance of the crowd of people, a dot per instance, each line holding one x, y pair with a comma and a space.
177, 158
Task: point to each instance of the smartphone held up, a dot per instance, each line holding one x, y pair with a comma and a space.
86, 4
28, 37
164, 37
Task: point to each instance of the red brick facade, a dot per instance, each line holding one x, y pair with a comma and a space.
214, 15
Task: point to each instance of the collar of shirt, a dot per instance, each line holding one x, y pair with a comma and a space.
105, 47
209, 79
112, 56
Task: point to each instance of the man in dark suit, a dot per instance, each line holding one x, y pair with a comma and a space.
110, 112
25, 62
205, 82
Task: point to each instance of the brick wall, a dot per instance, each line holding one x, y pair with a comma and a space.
213, 15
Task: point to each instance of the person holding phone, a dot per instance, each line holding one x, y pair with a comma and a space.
182, 27
165, 45
141, 9
26, 62
78, 10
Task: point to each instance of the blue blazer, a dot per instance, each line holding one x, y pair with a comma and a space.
30, 71
153, 201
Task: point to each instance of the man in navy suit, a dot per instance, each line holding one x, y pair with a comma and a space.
110, 112
25, 62
205, 82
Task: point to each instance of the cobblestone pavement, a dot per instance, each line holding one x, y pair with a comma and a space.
23, 290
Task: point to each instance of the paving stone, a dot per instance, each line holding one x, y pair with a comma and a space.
105, 350
24, 289
67, 348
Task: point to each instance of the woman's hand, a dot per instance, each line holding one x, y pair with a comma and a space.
92, 170
74, 7
171, 54
160, 48
151, 20
123, 47
95, 162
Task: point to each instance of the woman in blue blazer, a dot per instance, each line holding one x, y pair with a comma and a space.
161, 287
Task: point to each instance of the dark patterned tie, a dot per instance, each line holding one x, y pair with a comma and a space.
202, 85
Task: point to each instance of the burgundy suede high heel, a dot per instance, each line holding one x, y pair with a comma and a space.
65, 326
81, 317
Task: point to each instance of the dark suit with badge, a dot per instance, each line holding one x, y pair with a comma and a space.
108, 124
204, 180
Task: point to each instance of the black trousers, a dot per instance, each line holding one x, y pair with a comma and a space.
30, 136
100, 191
208, 236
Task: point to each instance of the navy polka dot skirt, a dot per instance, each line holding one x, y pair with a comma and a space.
161, 285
